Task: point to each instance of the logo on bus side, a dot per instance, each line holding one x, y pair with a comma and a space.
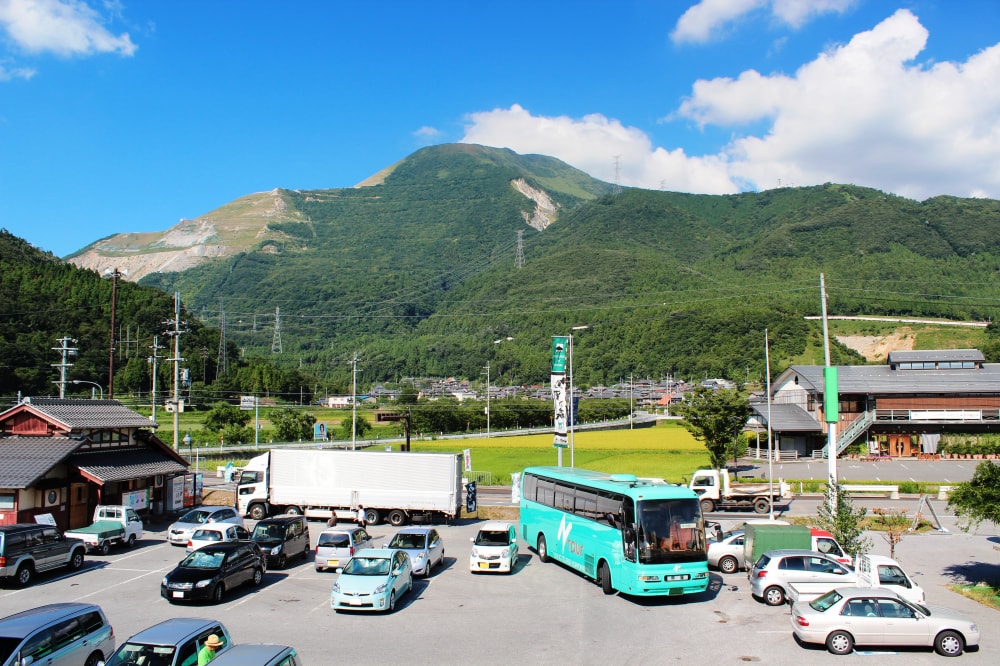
563, 537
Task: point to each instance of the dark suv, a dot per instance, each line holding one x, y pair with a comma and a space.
27, 549
282, 538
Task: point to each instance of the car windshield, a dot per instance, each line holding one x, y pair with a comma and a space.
492, 538
196, 516
367, 566
824, 602
268, 531
204, 559
410, 541
138, 653
336, 540
207, 535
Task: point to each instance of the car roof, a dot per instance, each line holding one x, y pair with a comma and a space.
279, 519
247, 654
225, 545
415, 530
495, 526
786, 552
378, 552
173, 631
867, 592
340, 530
23, 623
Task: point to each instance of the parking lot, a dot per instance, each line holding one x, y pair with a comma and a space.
540, 614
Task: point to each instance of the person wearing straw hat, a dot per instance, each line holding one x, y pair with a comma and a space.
207, 652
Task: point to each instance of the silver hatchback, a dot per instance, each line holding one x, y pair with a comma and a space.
775, 569
337, 545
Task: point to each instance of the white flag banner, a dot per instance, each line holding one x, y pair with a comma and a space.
559, 394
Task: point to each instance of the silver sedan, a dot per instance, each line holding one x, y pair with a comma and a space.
845, 617
726, 555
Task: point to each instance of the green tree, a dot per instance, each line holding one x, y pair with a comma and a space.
223, 415
978, 499
846, 524
361, 428
715, 417
292, 424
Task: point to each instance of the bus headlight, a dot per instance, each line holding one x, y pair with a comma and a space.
649, 579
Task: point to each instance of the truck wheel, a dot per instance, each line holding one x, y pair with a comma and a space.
76, 559
396, 518
707, 506
130, 541
728, 565
104, 547
761, 505
293, 511
257, 512
774, 596
372, 516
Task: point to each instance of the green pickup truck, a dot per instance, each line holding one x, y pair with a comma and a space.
112, 524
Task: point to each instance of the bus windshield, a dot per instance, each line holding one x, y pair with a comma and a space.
670, 530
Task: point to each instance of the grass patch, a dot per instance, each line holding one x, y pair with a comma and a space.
985, 594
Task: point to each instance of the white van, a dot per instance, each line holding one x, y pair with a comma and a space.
880, 571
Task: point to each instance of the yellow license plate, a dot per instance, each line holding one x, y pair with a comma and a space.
484, 565
332, 563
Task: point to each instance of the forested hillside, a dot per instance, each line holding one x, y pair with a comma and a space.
421, 274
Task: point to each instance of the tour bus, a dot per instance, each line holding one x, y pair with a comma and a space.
640, 537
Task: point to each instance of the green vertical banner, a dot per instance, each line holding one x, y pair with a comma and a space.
831, 395
559, 344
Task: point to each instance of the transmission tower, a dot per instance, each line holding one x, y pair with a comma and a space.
618, 182
519, 253
222, 365
276, 341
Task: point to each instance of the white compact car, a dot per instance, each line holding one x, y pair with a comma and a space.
494, 548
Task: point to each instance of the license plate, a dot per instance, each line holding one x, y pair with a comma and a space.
178, 595
678, 577
354, 602
332, 563
484, 565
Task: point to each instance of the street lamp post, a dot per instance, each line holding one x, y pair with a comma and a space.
99, 387
496, 342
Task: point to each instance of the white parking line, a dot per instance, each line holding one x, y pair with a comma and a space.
125, 582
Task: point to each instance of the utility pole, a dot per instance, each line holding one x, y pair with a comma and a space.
66, 352
114, 274
487, 399
154, 360
176, 334
354, 400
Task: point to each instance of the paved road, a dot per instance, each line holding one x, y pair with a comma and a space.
906, 469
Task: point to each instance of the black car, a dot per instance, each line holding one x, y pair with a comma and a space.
207, 573
282, 538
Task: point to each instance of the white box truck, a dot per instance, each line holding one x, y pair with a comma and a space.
317, 483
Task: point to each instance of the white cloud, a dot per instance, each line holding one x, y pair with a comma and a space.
863, 113
705, 20
63, 27
10, 73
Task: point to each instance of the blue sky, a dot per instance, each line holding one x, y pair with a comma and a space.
125, 116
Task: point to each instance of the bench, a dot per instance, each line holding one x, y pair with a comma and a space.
892, 492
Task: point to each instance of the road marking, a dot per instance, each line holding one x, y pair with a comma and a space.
125, 582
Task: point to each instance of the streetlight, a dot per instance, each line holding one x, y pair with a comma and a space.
572, 413
99, 387
496, 342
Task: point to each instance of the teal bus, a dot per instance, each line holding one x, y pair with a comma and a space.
639, 537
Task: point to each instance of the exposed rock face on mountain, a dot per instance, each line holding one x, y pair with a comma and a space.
246, 223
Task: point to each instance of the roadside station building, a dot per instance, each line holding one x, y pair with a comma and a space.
899, 409
61, 458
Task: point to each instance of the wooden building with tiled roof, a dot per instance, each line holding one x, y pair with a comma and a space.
63, 457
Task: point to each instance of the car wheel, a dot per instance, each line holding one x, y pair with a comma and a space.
774, 596
130, 541
258, 576
949, 644
282, 561
105, 547
94, 659
76, 560
604, 577
409, 585
840, 642
728, 565
542, 549
392, 601
218, 592
25, 574
257, 512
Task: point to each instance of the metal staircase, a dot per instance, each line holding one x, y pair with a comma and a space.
852, 432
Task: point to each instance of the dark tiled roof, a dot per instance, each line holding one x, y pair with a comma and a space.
882, 380
24, 460
909, 355
122, 464
787, 418
90, 414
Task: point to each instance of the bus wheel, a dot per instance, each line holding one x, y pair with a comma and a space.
604, 576
543, 550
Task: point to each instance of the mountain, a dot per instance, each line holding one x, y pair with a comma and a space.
420, 268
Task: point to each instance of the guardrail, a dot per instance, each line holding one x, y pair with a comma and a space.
892, 492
